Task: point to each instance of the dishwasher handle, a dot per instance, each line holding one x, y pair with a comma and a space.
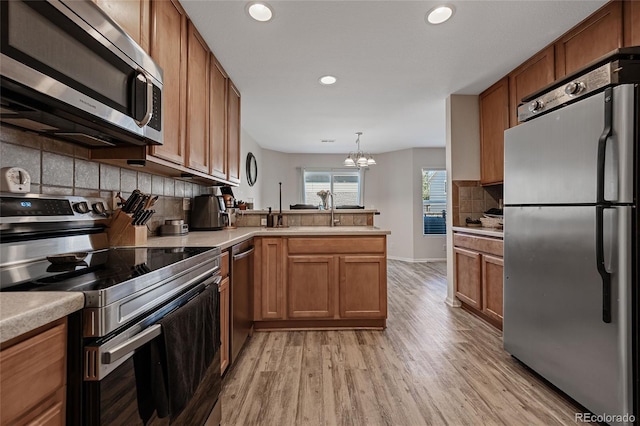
132, 344
244, 254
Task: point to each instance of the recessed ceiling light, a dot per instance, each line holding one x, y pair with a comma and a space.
440, 14
260, 11
328, 80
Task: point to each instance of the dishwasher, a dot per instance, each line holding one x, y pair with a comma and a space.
241, 295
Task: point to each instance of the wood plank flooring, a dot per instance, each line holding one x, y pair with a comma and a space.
433, 365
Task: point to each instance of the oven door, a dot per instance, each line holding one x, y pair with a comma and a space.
109, 390
55, 62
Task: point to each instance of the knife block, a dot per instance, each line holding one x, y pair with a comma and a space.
122, 233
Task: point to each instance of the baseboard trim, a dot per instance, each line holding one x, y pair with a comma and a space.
412, 260
453, 302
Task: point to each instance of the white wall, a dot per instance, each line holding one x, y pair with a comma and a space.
244, 191
463, 162
393, 187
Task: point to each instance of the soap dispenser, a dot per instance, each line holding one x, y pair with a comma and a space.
269, 219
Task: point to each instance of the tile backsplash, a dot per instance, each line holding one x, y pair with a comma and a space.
60, 168
470, 199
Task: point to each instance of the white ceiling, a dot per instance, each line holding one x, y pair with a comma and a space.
394, 71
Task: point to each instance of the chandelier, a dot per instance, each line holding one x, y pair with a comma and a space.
359, 159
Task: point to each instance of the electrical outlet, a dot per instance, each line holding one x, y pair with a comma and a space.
263, 221
186, 204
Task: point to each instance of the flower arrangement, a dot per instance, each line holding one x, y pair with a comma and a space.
323, 194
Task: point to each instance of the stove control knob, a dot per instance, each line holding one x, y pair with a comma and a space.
574, 88
98, 208
81, 207
536, 106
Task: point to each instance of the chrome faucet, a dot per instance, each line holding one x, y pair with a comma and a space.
333, 221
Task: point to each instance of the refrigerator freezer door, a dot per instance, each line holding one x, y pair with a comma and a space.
553, 301
553, 158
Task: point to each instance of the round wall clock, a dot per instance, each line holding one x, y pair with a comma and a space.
252, 169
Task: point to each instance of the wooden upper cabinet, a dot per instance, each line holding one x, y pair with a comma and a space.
132, 15
529, 77
169, 49
494, 120
218, 119
197, 101
594, 37
631, 10
233, 133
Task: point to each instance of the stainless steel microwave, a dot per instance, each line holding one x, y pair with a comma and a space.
68, 71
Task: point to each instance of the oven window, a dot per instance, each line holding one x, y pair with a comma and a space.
55, 46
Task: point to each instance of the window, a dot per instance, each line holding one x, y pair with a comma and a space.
434, 201
345, 185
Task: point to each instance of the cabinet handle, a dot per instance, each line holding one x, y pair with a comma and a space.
243, 254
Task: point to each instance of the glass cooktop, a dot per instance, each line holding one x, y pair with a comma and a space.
99, 270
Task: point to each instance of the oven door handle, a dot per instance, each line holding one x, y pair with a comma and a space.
132, 344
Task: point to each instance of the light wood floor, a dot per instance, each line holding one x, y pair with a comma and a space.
433, 365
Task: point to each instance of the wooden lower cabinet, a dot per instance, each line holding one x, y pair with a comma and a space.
311, 283
492, 286
224, 324
34, 377
362, 294
479, 275
321, 282
468, 279
269, 284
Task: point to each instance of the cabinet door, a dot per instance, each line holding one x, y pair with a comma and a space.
631, 10
169, 50
494, 120
492, 286
468, 282
218, 119
311, 286
132, 16
272, 286
233, 133
197, 101
363, 287
594, 37
224, 324
529, 77
34, 377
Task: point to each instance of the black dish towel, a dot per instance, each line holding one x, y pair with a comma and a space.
189, 341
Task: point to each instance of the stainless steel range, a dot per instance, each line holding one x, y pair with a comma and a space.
58, 243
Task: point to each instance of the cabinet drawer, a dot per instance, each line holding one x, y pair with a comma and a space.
346, 245
32, 371
483, 244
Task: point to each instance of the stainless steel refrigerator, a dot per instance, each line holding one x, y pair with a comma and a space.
571, 236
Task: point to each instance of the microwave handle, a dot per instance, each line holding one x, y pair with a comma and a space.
147, 116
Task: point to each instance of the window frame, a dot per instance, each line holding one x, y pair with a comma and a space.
446, 200
331, 171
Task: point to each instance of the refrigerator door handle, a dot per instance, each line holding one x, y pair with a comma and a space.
600, 263
602, 145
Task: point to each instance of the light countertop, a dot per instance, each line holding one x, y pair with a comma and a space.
227, 238
21, 312
487, 232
